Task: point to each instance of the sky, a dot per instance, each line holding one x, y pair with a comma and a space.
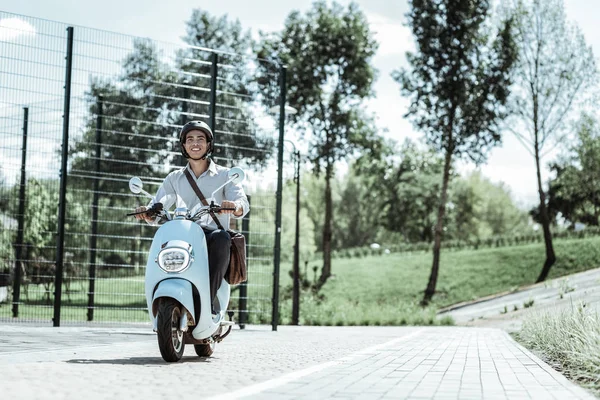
165, 21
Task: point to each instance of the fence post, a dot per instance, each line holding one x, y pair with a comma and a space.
21, 220
243, 303
213, 92
60, 242
183, 119
93, 238
278, 198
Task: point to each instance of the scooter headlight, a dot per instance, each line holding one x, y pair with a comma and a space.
173, 259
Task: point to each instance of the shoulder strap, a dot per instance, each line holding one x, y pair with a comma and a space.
201, 196
195, 187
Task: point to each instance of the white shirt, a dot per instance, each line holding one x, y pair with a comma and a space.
177, 184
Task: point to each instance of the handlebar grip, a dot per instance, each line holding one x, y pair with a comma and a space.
152, 211
137, 213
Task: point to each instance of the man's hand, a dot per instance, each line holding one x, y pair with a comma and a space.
230, 204
144, 216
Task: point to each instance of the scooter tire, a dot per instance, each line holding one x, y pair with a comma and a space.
205, 350
170, 336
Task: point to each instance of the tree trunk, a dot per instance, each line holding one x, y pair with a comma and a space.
550, 257
326, 271
439, 229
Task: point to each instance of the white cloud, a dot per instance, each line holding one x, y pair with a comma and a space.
12, 28
393, 37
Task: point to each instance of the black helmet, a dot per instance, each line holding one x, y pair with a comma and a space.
200, 126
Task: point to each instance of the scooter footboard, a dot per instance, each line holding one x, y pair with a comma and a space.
178, 289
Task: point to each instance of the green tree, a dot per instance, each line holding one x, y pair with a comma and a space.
554, 68
482, 209
288, 223
458, 81
575, 191
236, 137
405, 182
327, 53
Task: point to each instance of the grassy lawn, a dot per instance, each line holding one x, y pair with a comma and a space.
116, 299
386, 290
375, 290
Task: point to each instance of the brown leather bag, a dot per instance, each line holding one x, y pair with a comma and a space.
237, 272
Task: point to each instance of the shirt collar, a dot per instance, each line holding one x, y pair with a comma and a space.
212, 168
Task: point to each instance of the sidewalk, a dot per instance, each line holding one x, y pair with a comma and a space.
292, 363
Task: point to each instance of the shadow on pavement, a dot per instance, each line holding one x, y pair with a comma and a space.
137, 361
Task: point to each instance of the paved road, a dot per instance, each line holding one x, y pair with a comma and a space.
509, 311
292, 363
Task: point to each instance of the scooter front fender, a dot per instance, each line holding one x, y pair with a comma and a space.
178, 289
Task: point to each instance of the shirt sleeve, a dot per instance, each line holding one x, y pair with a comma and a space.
235, 193
165, 189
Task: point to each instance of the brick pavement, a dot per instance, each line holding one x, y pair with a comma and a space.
293, 363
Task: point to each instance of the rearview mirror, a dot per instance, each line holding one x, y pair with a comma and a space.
236, 174
136, 185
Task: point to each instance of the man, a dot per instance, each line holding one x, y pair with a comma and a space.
196, 140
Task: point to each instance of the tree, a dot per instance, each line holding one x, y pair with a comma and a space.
554, 67
575, 191
237, 139
482, 209
458, 83
327, 53
405, 181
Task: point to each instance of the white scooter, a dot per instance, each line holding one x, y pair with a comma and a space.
177, 279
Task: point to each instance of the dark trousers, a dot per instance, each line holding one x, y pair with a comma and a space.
219, 250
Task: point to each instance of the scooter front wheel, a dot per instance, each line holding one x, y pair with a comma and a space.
170, 336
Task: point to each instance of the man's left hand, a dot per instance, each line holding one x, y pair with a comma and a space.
230, 204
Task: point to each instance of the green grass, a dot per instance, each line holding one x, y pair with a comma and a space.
117, 299
386, 290
375, 290
568, 339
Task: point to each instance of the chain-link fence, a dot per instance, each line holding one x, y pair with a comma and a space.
106, 107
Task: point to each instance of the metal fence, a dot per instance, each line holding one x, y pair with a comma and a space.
105, 107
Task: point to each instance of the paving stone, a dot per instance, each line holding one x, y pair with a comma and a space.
292, 363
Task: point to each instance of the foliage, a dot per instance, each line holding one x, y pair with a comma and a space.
575, 190
327, 53
307, 230
481, 209
458, 83
237, 139
555, 66
405, 183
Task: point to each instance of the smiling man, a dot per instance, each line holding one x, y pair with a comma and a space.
196, 140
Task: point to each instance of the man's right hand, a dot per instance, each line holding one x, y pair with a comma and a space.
144, 216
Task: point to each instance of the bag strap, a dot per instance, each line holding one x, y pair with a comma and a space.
201, 196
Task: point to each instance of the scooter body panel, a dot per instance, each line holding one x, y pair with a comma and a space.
175, 288
159, 283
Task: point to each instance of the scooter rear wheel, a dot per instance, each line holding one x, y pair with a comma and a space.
170, 336
205, 350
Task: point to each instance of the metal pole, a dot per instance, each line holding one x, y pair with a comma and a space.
296, 268
93, 238
213, 91
183, 119
278, 198
243, 303
21, 220
60, 242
